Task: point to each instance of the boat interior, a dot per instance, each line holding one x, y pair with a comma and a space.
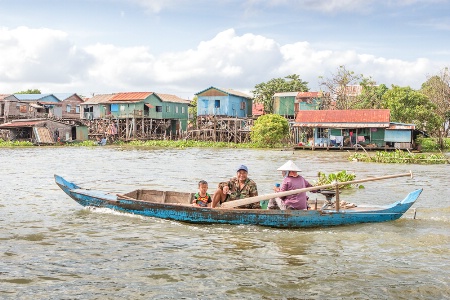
183, 198
160, 196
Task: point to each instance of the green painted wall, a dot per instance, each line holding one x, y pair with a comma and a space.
335, 132
284, 105
377, 137
314, 105
152, 107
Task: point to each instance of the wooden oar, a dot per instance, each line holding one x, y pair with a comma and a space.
235, 203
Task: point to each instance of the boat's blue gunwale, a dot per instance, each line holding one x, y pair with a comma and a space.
272, 218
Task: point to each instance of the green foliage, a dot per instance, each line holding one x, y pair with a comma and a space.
193, 112
15, 143
341, 176
400, 157
263, 92
29, 91
81, 144
183, 144
409, 106
437, 89
432, 144
371, 95
269, 130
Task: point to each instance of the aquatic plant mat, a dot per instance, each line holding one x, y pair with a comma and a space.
401, 157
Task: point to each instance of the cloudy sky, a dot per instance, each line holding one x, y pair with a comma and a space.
184, 46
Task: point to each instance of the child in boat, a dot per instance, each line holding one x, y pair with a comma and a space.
202, 198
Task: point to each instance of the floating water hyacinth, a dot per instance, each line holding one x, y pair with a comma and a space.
401, 157
339, 177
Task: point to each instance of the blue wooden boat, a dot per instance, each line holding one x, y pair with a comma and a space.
176, 206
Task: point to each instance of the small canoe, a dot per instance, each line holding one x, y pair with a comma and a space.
176, 206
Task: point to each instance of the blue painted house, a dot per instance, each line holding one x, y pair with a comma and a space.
223, 102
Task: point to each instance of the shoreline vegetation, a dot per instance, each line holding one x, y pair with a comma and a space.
401, 157
430, 155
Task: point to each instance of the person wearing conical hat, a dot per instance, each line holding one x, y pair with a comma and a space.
292, 181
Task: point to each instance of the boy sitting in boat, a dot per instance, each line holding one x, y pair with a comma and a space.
202, 198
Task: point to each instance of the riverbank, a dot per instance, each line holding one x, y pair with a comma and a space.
427, 145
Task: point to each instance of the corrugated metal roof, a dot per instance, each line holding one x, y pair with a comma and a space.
228, 91
32, 97
309, 94
100, 98
63, 96
236, 93
342, 118
394, 125
3, 96
172, 98
17, 124
131, 96
50, 103
36, 105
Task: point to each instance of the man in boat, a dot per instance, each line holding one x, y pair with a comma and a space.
292, 181
238, 187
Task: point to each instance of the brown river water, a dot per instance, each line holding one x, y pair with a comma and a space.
52, 248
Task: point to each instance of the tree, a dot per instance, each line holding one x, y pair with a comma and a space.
263, 92
269, 130
336, 88
371, 95
29, 91
437, 88
193, 112
410, 106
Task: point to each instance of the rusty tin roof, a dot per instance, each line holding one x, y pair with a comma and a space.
131, 96
172, 98
352, 118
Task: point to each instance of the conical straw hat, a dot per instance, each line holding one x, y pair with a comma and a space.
289, 166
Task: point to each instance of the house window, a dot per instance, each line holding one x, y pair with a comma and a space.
242, 105
322, 133
77, 109
217, 103
158, 108
176, 109
122, 108
167, 108
182, 110
68, 108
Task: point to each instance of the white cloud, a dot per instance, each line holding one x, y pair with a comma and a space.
47, 60
309, 63
39, 56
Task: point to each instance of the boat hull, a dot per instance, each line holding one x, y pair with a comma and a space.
271, 218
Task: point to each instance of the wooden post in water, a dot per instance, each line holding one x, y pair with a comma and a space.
337, 197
